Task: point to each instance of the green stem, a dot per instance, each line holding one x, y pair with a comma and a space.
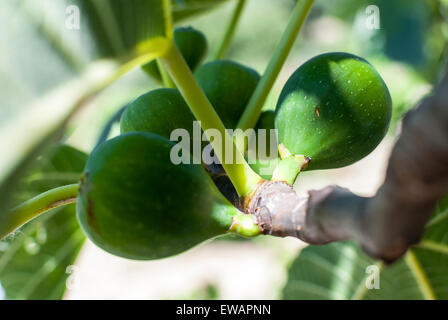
288, 169
242, 176
253, 110
230, 31
166, 79
34, 207
245, 225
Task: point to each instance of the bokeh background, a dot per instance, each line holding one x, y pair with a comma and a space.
408, 51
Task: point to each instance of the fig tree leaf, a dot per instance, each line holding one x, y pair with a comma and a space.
342, 270
34, 261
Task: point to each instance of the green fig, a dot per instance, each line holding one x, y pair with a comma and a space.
135, 203
335, 109
158, 111
191, 43
229, 86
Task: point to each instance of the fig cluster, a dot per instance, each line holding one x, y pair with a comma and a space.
135, 203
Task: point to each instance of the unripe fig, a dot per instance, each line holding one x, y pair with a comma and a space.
191, 43
335, 109
158, 111
229, 86
135, 203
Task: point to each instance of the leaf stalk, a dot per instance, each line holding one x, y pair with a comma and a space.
31, 209
253, 110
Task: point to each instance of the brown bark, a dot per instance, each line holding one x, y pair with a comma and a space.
391, 221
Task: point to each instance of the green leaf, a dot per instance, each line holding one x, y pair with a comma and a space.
340, 270
34, 261
436, 235
118, 27
43, 46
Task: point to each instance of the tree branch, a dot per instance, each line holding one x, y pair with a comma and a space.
391, 221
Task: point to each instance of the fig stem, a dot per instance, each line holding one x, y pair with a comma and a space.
283, 151
34, 207
166, 79
240, 173
253, 110
230, 31
108, 127
245, 225
289, 168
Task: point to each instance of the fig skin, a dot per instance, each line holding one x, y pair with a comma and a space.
135, 203
335, 109
159, 111
192, 44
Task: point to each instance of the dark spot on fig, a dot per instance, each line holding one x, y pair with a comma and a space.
91, 215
